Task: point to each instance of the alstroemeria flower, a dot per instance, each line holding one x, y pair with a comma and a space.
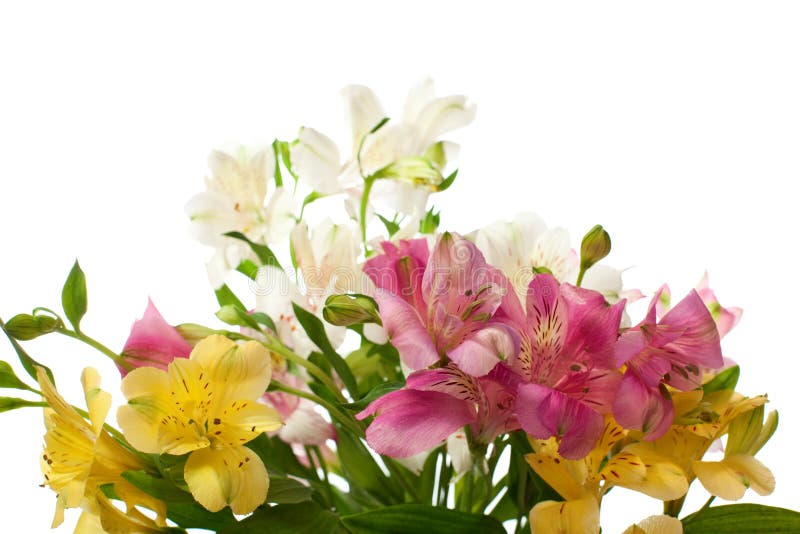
153, 342
730, 477
79, 456
582, 483
452, 312
671, 351
236, 201
206, 406
327, 263
435, 404
566, 363
656, 524
317, 161
726, 318
302, 423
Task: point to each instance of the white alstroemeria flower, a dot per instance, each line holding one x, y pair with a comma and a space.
327, 265
519, 246
318, 162
525, 243
235, 200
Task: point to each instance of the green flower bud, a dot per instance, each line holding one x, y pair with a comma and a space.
347, 310
595, 246
24, 327
194, 333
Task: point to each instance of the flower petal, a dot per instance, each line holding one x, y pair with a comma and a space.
656, 524
544, 412
315, 160
409, 421
730, 477
153, 342
237, 372
639, 468
481, 351
220, 477
580, 516
406, 331
242, 421
642, 408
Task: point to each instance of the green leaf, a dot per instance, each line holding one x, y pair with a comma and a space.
264, 253
391, 226
379, 125
726, 380
316, 332
742, 518
225, 297
8, 379
181, 506
298, 518
360, 470
287, 491
266, 320
277, 456
420, 519
430, 223
73, 296
447, 182
248, 268
276, 149
24, 326
378, 391
10, 403
28, 363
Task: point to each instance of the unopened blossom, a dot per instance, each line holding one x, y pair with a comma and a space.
206, 406
153, 342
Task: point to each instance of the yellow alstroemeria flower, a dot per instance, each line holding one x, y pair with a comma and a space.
582, 483
79, 456
100, 516
207, 406
706, 418
739, 470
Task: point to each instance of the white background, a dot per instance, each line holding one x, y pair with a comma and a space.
675, 125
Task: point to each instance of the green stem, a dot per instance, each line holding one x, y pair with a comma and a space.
395, 471
580, 277
324, 466
362, 215
502, 483
343, 417
466, 497
116, 358
673, 508
279, 348
444, 481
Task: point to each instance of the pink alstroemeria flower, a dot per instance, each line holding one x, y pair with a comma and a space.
566, 377
726, 318
399, 270
448, 315
153, 342
672, 351
434, 404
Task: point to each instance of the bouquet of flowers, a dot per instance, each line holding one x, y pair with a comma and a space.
373, 373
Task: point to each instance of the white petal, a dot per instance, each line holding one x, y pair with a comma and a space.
315, 160
458, 449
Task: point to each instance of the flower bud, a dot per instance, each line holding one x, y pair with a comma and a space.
153, 342
24, 327
347, 310
194, 333
595, 246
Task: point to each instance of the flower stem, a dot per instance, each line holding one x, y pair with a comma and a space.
116, 358
362, 215
279, 348
343, 417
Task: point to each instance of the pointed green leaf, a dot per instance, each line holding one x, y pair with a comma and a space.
225, 297
391, 226
8, 379
447, 182
276, 149
316, 333
420, 519
750, 518
10, 403
264, 253
378, 391
726, 380
73, 296
430, 222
